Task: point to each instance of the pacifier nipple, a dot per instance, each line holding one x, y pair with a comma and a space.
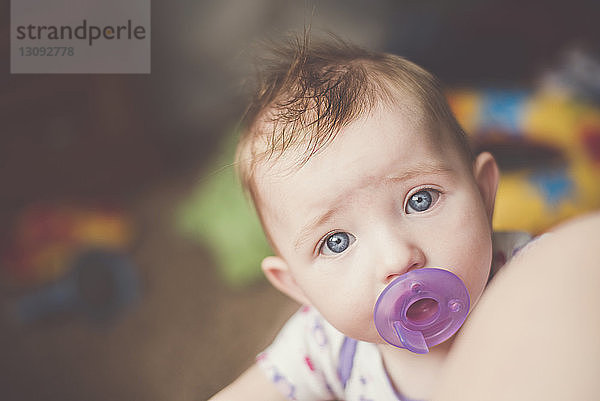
421, 308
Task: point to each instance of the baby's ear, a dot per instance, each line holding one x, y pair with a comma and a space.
487, 176
278, 273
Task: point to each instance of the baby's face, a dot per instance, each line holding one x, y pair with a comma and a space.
383, 198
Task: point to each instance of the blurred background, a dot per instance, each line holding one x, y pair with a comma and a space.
128, 259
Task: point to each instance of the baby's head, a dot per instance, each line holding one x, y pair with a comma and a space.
359, 173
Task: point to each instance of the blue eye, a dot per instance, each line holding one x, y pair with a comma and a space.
422, 200
337, 243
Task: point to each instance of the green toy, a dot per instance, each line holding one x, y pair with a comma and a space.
219, 215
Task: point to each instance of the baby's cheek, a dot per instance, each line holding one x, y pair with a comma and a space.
479, 267
351, 314
471, 252
474, 237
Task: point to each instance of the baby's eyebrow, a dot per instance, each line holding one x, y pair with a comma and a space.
420, 169
308, 229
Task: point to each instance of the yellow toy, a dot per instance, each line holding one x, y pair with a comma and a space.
548, 147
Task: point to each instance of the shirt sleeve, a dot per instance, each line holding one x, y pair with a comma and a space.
302, 359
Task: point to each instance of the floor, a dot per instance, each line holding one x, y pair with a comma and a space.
188, 336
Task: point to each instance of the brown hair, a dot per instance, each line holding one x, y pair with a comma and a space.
309, 91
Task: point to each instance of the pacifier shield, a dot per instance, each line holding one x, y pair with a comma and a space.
421, 308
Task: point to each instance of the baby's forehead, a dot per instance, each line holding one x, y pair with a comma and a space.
280, 166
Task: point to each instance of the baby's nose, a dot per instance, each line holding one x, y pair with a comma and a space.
399, 258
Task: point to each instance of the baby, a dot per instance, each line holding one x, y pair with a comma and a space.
359, 173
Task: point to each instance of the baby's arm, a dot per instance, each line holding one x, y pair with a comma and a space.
251, 385
535, 333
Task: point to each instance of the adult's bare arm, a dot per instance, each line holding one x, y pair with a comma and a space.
535, 335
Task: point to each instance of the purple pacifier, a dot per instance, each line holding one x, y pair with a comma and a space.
421, 308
